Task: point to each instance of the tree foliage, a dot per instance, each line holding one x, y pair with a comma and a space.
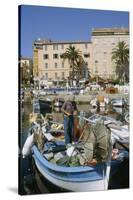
120, 55
75, 61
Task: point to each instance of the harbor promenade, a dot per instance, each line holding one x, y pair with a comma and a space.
80, 98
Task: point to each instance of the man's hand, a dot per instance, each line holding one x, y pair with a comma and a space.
93, 162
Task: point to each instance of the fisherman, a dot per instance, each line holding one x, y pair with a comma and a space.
69, 109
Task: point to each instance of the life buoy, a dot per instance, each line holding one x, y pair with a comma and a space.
27, 146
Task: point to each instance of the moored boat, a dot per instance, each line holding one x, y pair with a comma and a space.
100, 101
36, 106
69, 177
82, 178
119, 132
45, 104
68, 166
58, 102
118, 102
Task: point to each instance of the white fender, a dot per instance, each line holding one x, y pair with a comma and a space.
27, 145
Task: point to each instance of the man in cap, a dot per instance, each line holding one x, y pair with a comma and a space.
68, 109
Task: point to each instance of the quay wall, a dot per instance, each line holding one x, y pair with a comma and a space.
80, 98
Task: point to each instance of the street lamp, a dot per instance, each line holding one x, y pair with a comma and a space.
96, 74
28, 75
67, 85
96, 71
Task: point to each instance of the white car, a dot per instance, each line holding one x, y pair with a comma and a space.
95, 86
41, 92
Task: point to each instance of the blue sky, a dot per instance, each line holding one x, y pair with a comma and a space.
64, 24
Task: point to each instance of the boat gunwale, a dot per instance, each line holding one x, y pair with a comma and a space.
67, 178
63, 169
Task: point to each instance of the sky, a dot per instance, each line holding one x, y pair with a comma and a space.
63, 24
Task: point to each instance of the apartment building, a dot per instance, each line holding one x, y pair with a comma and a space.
103, 42
48, 63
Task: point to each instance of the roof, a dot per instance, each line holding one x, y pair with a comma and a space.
25, 58
110, 31
49, 42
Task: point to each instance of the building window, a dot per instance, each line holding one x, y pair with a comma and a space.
96, 61
56, 74
86, 64
55, 47
62, 65
61, 56
45, 47
45, 56
63, 74
105, 52
62, 46
55, 65
86, 46
86, 55
46, 75
55, 55
113, 41
46, 65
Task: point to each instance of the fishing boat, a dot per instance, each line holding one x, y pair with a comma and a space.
71, 178
100, 101
121, 134
75, 178
82, 178
45, 103
119, 131
58, 102
117, 109
106, 119
118, 102
36, 106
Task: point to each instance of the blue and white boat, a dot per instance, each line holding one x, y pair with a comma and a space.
77, 179
71, 178
36, 106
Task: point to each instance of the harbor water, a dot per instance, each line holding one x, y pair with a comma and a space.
32, 182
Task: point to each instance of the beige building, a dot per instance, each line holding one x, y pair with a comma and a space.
48, 63
103, 42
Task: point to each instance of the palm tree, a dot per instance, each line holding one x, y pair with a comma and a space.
120, 55
80, 68
75, 60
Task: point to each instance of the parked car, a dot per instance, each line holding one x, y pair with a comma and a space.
95, 86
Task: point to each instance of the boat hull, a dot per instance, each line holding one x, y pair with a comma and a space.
118, 103
73, 186
58, 104
45, 105
77, 179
